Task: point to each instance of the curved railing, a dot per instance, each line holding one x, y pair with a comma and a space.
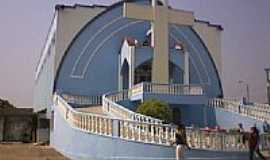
172, 89
215, 140
110, 105
221, 140
256, 111
82, 100
153, 133
160, 134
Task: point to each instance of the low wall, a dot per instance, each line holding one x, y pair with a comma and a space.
231, 120
81, 145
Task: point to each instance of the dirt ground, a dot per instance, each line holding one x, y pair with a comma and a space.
20, 151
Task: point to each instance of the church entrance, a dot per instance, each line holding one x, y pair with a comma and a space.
143, 72
125, 75
176, 74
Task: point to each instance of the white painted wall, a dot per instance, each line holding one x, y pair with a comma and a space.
212, 38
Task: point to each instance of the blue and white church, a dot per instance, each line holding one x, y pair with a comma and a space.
100, 62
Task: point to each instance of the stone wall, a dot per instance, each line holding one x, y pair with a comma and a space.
1, 128
18, 128
17, 124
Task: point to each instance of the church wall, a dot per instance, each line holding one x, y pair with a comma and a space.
43, 88
211, 36
70, 22
66, 24
198, 115
91, 64
101, 75
231, 120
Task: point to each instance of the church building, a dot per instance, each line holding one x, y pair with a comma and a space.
99, 62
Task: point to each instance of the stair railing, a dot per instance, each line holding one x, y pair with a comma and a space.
256, 111
154, 133
110, 105
82, 100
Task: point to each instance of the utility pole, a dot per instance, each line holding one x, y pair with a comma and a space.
267, 70
247, 89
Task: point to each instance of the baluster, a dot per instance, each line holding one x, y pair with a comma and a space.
106, 126
167, 135
152, 133
146, 128
91, 123
126, 124
160, 134
100, 125
121, 129
96, 125
133, 131
139, 132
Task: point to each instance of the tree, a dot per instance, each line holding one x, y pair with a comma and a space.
156, 109
5, 104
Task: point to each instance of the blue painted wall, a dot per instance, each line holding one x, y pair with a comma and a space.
90, 66
80, 145
231, 120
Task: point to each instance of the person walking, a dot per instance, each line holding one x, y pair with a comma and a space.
180, 141
253, 144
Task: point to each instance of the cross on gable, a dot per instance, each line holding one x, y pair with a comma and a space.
160, 17
143, 12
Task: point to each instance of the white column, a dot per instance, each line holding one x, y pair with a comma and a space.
131, 66
186, 72
120, 78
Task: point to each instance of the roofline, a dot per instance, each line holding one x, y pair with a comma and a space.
45, 45
219, 27
63, 6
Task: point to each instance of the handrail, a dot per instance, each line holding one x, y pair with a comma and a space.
254, 111
173, 89
215, 140
83, 100
221, 140
144, 132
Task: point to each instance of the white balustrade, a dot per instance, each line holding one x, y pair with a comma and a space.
110, 105
82, 100
215, 140
173, 89
258, 111
103, 125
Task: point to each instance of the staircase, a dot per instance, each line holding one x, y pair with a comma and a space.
108, 118
138, 130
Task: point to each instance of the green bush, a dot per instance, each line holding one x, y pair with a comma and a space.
156, 109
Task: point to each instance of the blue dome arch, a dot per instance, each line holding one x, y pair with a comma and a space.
90, 64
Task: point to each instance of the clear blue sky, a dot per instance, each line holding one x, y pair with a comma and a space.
245, 42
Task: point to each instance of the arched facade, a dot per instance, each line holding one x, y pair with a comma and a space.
91, 63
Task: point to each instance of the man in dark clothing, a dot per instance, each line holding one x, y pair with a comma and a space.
253, 144
180, 141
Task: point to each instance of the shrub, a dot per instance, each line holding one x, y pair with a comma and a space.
156, 109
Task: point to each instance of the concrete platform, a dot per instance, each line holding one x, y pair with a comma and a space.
92, 109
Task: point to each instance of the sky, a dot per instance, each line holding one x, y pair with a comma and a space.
245, 42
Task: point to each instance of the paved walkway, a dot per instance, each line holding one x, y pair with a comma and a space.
20, 151
92, 109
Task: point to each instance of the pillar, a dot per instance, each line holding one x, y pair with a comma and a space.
186, 68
